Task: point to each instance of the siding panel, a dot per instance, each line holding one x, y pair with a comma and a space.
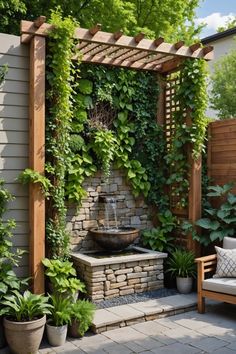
14, 137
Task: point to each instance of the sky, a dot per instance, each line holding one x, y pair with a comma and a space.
214, 13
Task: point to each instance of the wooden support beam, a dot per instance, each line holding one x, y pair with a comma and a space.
91, 48
117, 35
36, 161
128, 55
179, 45
26, 38
194, 47
158, 41
195, 196
207, 49
39, 21
139, 37
95, 29
171, 65
116, 62
195, 192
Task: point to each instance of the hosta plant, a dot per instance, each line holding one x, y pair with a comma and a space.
62, 276
24, 307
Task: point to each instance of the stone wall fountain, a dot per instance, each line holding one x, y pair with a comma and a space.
120, 269
113, 238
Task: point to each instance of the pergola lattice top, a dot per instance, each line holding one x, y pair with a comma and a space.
119, 50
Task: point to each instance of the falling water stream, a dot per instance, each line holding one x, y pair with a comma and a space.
110, 213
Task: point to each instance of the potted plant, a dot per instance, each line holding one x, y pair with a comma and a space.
82, 312
63, 278
181, 264
24, 320
57, 325
8, 258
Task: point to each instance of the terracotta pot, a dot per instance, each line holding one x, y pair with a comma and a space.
24, 337
73, 329
184, 285
56, 335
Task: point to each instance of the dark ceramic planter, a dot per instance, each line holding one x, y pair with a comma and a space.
114, 240
73, 329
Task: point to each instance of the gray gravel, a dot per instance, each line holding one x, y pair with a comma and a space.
132, 298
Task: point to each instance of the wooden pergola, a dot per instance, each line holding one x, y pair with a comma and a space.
114, 49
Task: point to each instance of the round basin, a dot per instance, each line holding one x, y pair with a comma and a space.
114, 239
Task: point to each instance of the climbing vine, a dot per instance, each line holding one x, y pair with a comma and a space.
190, 127
61, 76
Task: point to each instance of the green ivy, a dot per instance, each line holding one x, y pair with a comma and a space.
134, 142
30, 176
61, 81
192, 97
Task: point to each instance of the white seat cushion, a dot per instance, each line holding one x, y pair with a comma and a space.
220, 285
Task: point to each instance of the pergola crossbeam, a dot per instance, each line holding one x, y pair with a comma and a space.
115, 48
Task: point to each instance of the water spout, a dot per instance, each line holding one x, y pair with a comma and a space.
110, 211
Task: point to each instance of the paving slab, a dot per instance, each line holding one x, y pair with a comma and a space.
126, 312
104, 317
150, 307
125, 334
179, 301
176, 348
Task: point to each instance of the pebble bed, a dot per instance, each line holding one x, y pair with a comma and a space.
136, 297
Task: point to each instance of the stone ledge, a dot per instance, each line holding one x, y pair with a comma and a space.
125, 315
93, 262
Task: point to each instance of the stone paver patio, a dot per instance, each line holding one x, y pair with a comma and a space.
187, 333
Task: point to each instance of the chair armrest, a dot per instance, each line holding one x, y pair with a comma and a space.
205, 265
204, 259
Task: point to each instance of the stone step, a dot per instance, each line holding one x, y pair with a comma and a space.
127, 315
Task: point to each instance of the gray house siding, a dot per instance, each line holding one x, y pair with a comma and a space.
14, 138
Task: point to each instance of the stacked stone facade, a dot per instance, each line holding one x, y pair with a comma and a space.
130, 211
114, 280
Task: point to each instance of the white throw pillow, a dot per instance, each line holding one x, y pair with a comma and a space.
226, 263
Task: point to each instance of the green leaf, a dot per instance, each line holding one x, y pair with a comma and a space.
208, 224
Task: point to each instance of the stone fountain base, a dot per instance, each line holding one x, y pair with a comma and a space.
115, 276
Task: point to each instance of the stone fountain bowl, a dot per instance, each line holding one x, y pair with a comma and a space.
114, 239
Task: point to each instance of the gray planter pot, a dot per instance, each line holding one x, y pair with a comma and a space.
184, 285
24, 337
56, 335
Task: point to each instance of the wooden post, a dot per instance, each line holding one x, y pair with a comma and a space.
36, 161
195, 196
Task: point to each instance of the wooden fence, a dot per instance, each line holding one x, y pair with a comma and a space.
221, 158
